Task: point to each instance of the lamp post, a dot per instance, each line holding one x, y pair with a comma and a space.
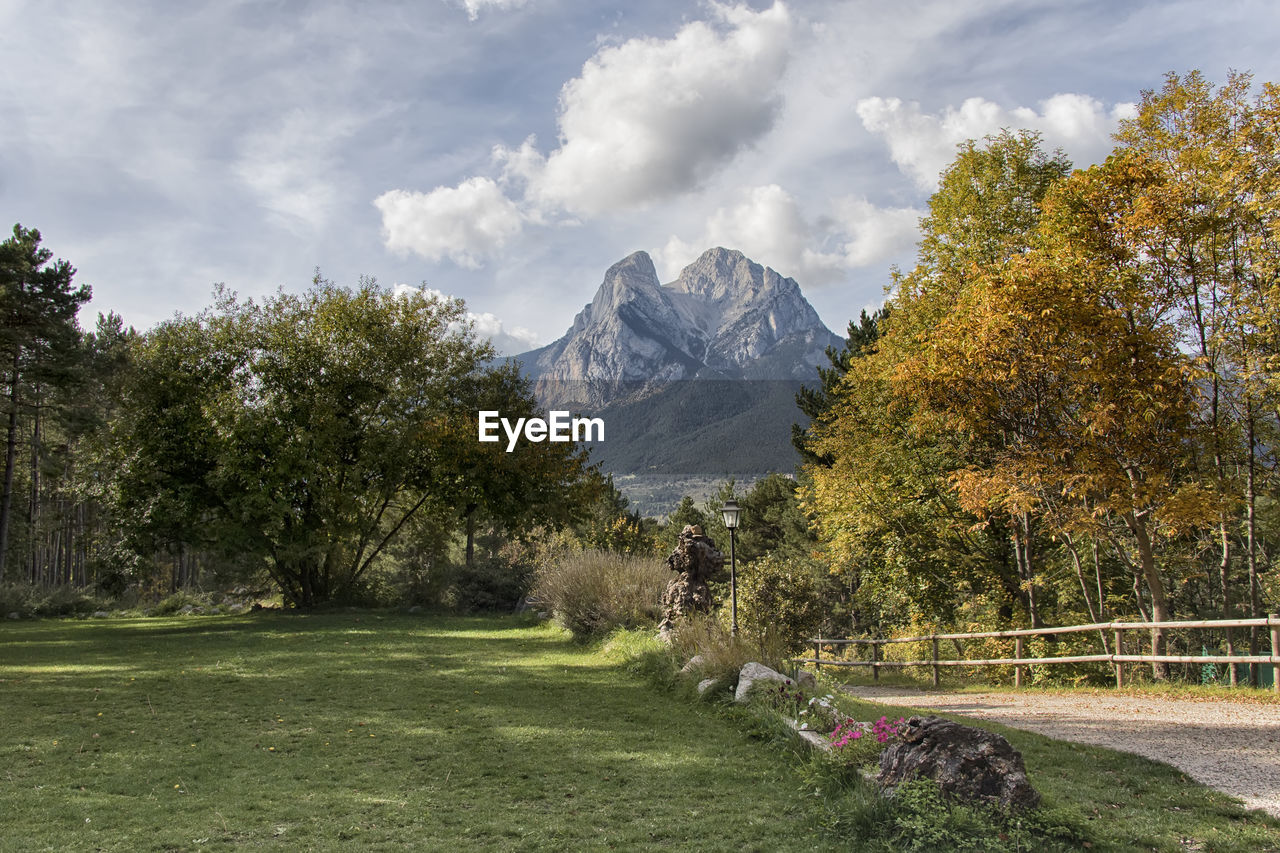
730, 512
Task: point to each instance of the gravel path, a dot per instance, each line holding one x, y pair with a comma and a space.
1231, 746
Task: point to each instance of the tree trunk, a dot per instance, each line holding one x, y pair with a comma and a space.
1137, 524
1084, 589
41, 574
10, 461
1224, 571
1021, 534
1251, 549
471, 533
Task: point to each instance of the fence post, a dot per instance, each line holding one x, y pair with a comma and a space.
1017, 668
1118, 645
936, 669
875, 660
817, 657
1273, 621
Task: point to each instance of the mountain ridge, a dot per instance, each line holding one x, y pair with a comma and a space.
724, 317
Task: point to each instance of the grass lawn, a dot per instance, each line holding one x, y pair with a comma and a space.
366, 730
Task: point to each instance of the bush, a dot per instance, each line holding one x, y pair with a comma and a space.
29, 601
180, 599
723, 655
593, 592
780, 602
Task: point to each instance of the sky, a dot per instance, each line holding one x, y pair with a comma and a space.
509, 151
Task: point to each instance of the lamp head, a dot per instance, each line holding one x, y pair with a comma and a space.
730, 511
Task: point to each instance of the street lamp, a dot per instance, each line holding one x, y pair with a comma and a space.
730, 512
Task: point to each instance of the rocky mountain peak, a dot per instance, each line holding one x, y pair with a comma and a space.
723, 274
725, 316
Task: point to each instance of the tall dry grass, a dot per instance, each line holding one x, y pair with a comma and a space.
593, 592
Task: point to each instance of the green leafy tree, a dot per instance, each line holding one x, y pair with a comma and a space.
310, 429
815, 401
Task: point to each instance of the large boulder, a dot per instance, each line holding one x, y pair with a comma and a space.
967, 763
752, 673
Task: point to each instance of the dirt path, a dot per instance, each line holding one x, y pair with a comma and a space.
1231, 746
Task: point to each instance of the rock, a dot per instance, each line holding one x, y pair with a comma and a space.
15, 615
238, 607
695, 561
750, 674
807, 680
187, 610
416, 609
704, 685
967, 763
100, 614
695, 662
816, 740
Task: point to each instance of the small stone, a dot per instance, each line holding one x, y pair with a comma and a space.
695, 662
15, 615
704, 685
807, 680
415, 609
100, 614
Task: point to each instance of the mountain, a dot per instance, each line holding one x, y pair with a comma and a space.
725, 317
695, 378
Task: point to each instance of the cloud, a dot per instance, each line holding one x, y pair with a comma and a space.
475, 7
652, 118
768, 225
507, 341
288, 165
923, 145
647, 119
466, 223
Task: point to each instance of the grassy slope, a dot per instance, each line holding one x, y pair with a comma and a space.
308, 732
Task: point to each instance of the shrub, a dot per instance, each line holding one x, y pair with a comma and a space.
593, 592
28, 600
180, 599
781, 602
723, 655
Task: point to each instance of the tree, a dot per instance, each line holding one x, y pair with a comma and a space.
38, 304
310, 429
814, 402
1209, 223
886, 503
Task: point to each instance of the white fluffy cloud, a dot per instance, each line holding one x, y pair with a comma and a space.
647, 119
506, 340
652, 118
922, 145
466, 223
767, 224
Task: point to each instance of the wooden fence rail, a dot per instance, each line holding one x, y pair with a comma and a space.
1116, 657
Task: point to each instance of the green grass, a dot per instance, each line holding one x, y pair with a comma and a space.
1117, 800
382, 731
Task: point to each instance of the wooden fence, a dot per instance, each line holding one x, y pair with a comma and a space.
1115, 657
